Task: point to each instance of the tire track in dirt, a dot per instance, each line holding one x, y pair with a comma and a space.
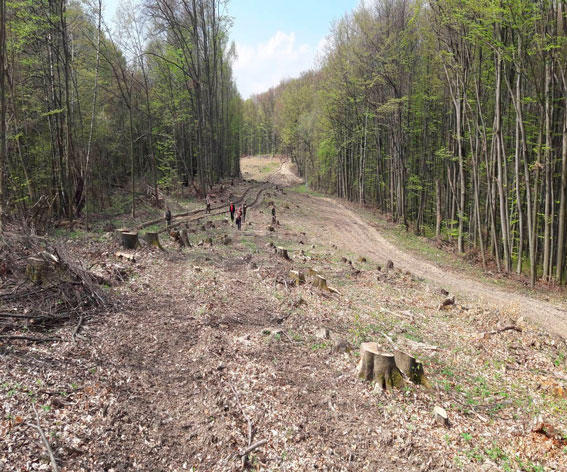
343, 227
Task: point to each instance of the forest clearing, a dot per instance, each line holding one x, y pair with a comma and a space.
199, 353
272, 236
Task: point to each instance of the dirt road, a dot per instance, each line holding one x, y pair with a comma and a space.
333, 223
336, 224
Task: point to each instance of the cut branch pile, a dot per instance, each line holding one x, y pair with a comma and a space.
43, 288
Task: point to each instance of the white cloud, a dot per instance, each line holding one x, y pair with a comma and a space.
261, 66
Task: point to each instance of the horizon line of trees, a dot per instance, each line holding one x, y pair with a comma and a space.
449, 115
85, 107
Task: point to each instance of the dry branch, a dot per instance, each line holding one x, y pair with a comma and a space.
37, 427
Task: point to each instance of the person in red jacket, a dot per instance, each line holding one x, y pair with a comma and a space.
231, 210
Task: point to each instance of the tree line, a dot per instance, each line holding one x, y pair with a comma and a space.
449, 115
86, 106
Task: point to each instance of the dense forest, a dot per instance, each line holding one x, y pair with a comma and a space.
87, 107
451, 116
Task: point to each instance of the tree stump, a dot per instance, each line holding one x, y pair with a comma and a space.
297, 277
441, 416
411, 367
312, 272
389, 265
36, 269
152, 239
118, 234
379, 367
280, 251
271, 228
361, 259
320, 282
185, 238
130, 240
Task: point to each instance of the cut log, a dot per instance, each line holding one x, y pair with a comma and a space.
389, 265
412, 368
152, 239
130, 240
297, 277
379, 367
282, 253
320, 282
441, 416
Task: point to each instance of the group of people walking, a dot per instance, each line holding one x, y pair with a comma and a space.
238, 214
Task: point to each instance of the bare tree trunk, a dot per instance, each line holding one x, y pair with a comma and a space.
93, 114
3, 130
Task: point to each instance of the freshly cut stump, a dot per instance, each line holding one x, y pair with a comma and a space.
312, 272
152, 239
130, 240
411, 367
36, 269
320, 282
379, 367
283, 253
185, 238
297, 277
441, 416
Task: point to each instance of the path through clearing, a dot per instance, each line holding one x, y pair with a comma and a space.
333, 223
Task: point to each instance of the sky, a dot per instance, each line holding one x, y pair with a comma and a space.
275, 39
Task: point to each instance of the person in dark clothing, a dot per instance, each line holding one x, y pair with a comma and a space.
208, 200
244, 208
167, 217
274, 215
239, 217
231, 210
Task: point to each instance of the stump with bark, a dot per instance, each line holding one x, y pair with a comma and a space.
36, 269
320, 282
379, 367
441, 416
280, 251
152, 239
412, 368
389, 265
129, 240
185, 238
297, 277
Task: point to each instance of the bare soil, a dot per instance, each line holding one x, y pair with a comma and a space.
210, 349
